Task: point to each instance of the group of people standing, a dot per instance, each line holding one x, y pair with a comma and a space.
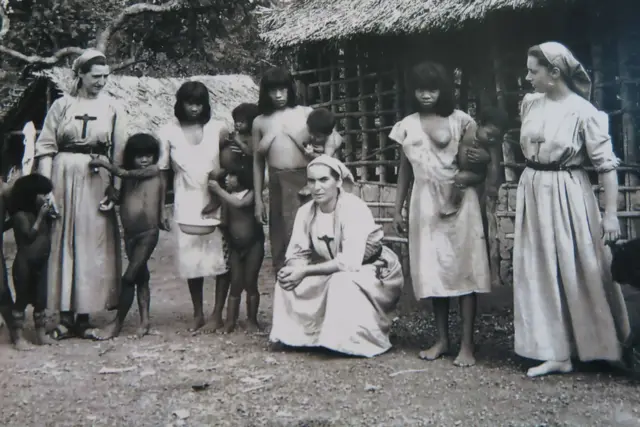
336, 283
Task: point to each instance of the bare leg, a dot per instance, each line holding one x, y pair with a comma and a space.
468, 305
235, 291
19, 342
112, 330
39, 306
441, 347
144, 303
195, 289
252, 272
222, 290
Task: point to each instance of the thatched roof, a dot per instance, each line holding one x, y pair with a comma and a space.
149, 101
307, 21
12, 89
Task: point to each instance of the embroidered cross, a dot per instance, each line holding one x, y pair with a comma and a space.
327, 241
85, 121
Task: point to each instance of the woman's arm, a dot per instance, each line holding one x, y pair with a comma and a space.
493, 170
405, 176
323, 269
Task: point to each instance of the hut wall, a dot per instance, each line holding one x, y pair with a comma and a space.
603, 45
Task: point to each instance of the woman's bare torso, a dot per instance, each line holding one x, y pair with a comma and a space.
283, 152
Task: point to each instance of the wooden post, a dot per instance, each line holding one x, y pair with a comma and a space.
362, 106
493, 238
625, 28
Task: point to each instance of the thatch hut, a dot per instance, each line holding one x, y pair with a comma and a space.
147, 101
352, 56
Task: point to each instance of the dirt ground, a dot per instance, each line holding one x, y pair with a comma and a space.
150, 382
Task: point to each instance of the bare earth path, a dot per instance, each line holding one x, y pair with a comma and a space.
149, 382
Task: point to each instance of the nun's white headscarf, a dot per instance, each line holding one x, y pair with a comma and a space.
86, 56
559, 56
345, 175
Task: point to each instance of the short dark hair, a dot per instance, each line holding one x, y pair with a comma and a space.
192, 92
140, 144
433, 76
494, 116
245, 177
25, 190
276, 78
321, 121
245, 112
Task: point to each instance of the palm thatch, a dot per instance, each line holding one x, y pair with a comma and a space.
12, 90
149, 101
307, 21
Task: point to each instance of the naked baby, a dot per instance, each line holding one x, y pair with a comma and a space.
142, 215
491, 126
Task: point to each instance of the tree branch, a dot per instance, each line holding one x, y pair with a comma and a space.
31, 59
136, 9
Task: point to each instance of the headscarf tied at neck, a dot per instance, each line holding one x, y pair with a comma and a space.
559, 56
86, 56
335, 165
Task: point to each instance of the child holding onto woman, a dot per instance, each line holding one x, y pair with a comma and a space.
245, 237
235, 151
142, 216
492, 125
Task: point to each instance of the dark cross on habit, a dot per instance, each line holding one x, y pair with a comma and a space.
327, 240
85, 120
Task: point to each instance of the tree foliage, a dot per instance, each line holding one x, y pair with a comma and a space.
177, 37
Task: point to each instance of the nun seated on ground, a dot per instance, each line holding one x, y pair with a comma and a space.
339, 284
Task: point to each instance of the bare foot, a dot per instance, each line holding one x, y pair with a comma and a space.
42, 338
254, 327
436, 351
198, 322
465, 358
143, 330
229, 327
23, 345
216, 323
108, 332
550, 367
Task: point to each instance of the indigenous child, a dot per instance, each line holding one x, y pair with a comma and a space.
320, 125
141, 213
235, 151
245, 237
31, 220
492, 124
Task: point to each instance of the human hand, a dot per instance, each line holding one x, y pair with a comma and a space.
165, 224
97, 162
398, 224
260, 212
290, 277
112, 194
610, 228
478, 156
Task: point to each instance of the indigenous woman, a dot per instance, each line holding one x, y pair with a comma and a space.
447, 255
565, 302
191, 147
339, 284
279, 133
85, 264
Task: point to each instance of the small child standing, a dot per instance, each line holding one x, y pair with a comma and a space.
492, 124
142, 215
31, 221
246, 238
235, 151
320, 125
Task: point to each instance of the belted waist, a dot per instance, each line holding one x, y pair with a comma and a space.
100, 149
550, 167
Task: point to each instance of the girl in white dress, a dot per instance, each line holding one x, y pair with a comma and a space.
190, 145
448, 256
